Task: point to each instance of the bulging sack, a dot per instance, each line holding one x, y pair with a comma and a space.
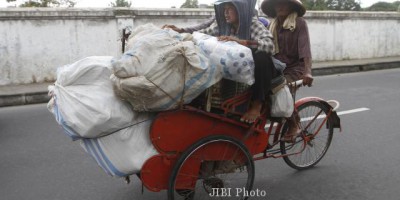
83, 101
282, 104
124, 152
161, 70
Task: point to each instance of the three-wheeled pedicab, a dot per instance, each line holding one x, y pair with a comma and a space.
204, 155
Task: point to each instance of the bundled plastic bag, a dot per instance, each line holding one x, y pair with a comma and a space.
124, 152
282, 104
84, 103
235, 60
161, 70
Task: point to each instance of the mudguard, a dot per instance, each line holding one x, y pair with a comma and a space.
333, 118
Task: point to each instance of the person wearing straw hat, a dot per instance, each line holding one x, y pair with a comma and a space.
292, 46
235, 21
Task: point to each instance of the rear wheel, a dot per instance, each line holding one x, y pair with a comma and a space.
308, 149
214, 167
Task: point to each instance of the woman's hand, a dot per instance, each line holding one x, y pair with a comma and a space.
228, 38
173, 27
231, 38
307, 77
308, 80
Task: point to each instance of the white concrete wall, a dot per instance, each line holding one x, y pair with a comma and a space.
353, 35
34, 42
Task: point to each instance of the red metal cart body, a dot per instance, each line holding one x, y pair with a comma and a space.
175, 133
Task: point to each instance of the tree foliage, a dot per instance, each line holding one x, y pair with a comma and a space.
121, 3
190, 4
343, 5
384, 6
46, 3
351, 5
315, 4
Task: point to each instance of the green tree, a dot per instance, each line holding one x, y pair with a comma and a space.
121, 3
46, 3
315, 4
343, 5
332, 5
190, 4
384, 6
35, 4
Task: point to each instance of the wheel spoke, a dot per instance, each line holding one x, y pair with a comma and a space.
234, 168
312, 115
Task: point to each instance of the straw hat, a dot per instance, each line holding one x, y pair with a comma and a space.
268, 7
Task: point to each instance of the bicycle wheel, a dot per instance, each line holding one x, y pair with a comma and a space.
312, 117
225, 169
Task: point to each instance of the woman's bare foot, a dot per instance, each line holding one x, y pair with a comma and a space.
253, 112
294, 129
292, 134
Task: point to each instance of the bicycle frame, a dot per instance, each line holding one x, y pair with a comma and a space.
171, 140
278, 131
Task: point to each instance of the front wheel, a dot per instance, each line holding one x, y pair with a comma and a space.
309, 148
214, 167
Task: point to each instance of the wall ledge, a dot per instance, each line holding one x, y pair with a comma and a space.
74, 13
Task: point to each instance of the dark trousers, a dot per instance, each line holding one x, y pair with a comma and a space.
264, 72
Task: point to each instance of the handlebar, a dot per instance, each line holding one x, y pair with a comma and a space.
296, 84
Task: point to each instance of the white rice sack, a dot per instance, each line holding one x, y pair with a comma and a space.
84, 103
235, 60
124, 152
161, 69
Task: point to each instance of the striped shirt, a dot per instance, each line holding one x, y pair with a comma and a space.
197, 27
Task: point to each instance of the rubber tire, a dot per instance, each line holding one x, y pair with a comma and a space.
287, 159
199, 144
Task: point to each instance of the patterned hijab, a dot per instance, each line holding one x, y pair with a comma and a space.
245, 9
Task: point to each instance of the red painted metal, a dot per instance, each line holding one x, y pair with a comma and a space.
175, 131
172, 132
306, 99
156, 171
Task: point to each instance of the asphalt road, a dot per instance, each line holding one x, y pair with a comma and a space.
39, 162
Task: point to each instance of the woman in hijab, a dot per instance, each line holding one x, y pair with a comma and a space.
235, 21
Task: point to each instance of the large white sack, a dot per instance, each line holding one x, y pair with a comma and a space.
234, 60
124, 152
84, 103
161, 69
